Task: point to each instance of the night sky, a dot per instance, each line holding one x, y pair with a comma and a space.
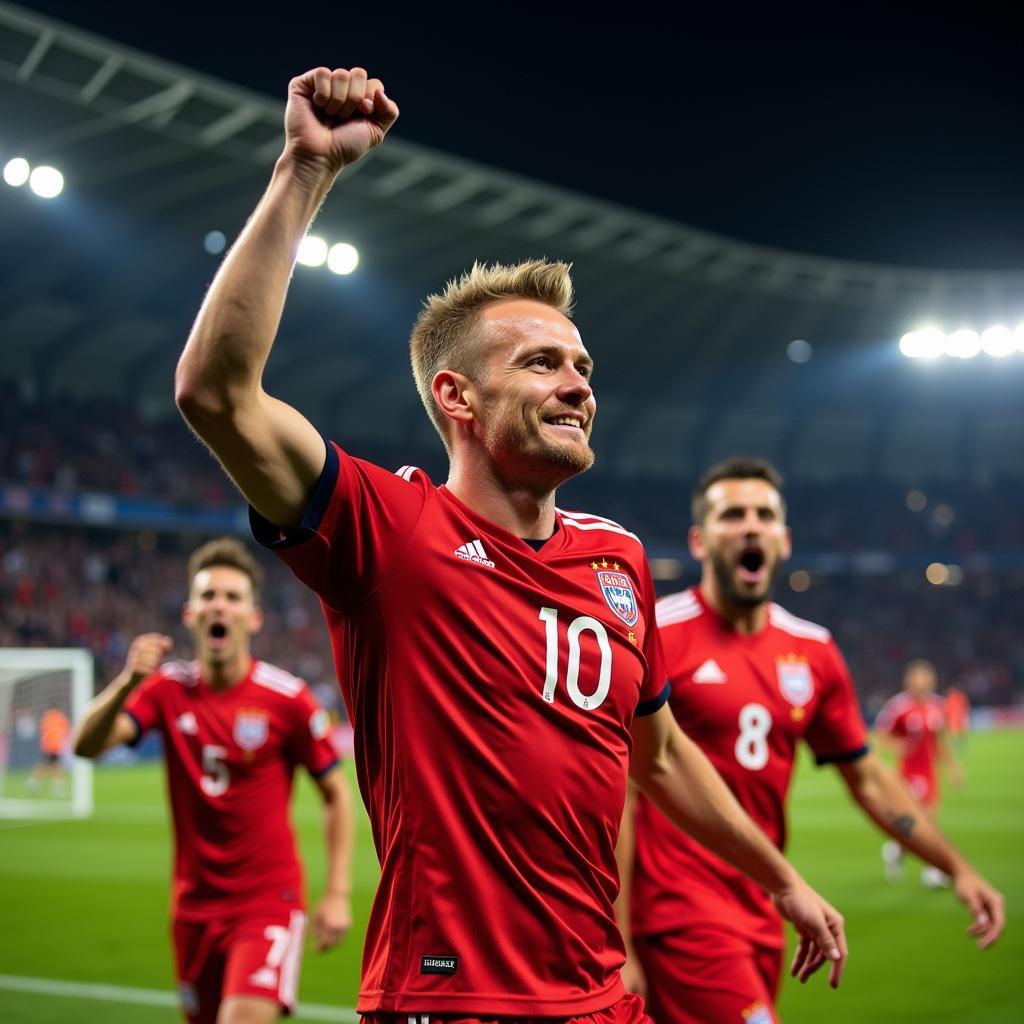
877, 135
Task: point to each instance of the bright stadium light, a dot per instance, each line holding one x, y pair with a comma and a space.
17, 171
925, 343
963, 344
800, 581
1019, 335
937, 574
998, 341
799, 351
910, 344
312, 251
46, 182
342, 258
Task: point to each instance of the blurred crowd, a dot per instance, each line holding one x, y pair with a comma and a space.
98, 588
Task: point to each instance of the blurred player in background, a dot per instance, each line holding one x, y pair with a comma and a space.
233, 731
749, 681
913, 725
497, 656
958, 717
54, 733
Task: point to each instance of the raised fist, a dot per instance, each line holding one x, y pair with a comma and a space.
335, 117
145, 655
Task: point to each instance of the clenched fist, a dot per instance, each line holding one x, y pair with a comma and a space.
335, 117
146, 654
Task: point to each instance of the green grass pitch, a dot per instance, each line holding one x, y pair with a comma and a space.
87, 901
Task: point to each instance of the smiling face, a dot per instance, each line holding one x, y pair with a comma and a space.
536, 406
743, 540
221, 614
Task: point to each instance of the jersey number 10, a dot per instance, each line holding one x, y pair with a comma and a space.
578, 626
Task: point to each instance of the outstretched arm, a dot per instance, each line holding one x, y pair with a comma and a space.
104, 724
271, 451
889, 803
674, 772
333, 916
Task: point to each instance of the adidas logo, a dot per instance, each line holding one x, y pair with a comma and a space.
187, 724
709, 672
265, 977
473, 551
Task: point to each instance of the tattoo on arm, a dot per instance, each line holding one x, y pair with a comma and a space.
903, 824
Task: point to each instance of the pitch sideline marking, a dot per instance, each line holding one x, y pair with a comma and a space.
148, 996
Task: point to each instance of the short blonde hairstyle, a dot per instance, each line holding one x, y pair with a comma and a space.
442, 337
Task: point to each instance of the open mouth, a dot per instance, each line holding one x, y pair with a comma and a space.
218, 631
569, 422
751, 564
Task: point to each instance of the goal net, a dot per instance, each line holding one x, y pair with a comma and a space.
43, 692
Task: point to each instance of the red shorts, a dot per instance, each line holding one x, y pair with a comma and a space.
256, 954
628, 1010
690, 982
925, 791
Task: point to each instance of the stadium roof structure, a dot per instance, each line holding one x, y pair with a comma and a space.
689, 329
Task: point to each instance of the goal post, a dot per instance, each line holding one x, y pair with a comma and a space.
43, 692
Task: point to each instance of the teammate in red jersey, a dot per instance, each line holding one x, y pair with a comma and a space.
749, 681
498, 656
914, 725
233, 730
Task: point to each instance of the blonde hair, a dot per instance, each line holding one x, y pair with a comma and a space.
442, 337
230, 552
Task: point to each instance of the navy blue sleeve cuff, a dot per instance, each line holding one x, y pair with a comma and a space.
850, 755
327, 768
138, 730
269, 536
648, 707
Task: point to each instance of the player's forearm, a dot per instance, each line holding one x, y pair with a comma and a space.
887, 801
683, 783
625, 851
93, 731
221, 368
339, 834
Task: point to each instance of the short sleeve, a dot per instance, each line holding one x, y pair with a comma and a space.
889, 721
310, 740
355, 529
838, 732
143, 706
656, 688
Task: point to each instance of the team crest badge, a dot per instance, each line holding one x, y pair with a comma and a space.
795, 680
617, 588
251, 729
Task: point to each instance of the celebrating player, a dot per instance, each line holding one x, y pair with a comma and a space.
749, 680
914, 724
493, 651
233, 730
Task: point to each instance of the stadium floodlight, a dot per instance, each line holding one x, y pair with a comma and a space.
998, 341
17, 171
963, 344
924, 343
46, 182
342, 258
937, 574
214, 242
1019, 335
312, 251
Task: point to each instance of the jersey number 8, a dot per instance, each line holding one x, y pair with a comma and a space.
752, 743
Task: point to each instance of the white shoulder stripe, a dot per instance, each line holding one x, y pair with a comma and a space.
585, 521
406, 472
184, 672
273, 678
789, 623
671, 614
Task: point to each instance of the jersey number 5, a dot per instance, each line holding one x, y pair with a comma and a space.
215, 779
583, 624
752, 744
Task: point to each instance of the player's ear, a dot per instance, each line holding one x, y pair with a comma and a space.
695, 540
256, 620
186, 614
787, 544
455, 395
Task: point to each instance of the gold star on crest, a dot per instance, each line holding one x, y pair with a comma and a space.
604, 563
594, 566
616, 566
632, 637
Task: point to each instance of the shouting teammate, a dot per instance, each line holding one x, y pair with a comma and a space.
749, 681
233, 730
914, 724
493, 651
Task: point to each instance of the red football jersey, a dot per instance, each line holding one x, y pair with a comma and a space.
230, 756
918, 724
491, 687
746, 701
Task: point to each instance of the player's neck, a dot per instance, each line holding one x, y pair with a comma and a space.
222, 675
523, 511
745, 619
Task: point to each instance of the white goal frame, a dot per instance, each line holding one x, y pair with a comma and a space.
27, 661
